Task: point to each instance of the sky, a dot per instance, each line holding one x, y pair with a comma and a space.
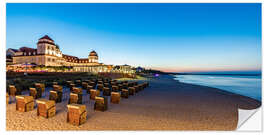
169, 37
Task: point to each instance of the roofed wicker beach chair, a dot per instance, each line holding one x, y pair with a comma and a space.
55, 83
84, 85
78, 83
100, 82
71, 86
100, 87
106, 91
136, 88
33, 93
125, 85
46, 108
54, 96
76, 114
101, 103
94, 93
115, 88
59, 90
13, 91
89, 87
124, 93
115, 97
7, 98
75, 98
40, 86
131, 90
140, 87
24, 103
92, 83
106, 85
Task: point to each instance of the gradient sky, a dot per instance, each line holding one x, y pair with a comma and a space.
168, 37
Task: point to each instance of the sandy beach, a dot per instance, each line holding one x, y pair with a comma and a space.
165, 105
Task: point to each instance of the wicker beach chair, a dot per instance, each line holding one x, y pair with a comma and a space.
46, 108
33, 93
131, 90
24, 103
40, 87
89, 87
54, 96
100, 87
115, 88
115, 97
75, 98
7, 98
13, 91
124, 93
101, 103
76, 114
94, 93
84, 85
106, 91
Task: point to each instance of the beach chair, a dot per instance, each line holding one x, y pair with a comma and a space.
136, 87
13, 91
7, 98
40, 87
89, 87
106, 91
125, 86
131, 90
55, 83
94, 93
115, 88
71, 86
24, 103
33, 93
46, 108
54, 96
101, 103
115, 97
124, 93
84, 85
59, 90
75, 98
76, 114
78, 83
106, 85
100, 87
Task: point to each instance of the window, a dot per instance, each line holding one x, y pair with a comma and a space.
48, 47
49, 59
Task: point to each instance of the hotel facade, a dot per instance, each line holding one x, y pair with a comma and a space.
48, 53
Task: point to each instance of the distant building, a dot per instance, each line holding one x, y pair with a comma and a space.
49, 54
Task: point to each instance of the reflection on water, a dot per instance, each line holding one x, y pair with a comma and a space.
244, 85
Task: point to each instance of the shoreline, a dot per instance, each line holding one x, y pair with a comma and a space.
218, 90
165, 105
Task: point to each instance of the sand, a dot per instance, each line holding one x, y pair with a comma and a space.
166, 105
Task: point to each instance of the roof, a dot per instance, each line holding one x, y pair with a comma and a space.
14, 50
46, 37
93, 53
28, 50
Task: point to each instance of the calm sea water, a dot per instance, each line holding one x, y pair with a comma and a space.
250, 86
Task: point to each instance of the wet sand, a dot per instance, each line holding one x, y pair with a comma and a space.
165, 105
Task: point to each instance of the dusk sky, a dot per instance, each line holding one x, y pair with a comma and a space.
168, 37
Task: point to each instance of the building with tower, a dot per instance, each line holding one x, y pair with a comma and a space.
48, 53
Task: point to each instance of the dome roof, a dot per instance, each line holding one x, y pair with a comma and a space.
93, 53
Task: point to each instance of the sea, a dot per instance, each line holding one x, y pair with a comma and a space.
246, 85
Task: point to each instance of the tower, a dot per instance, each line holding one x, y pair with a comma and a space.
46, 45
93, 57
